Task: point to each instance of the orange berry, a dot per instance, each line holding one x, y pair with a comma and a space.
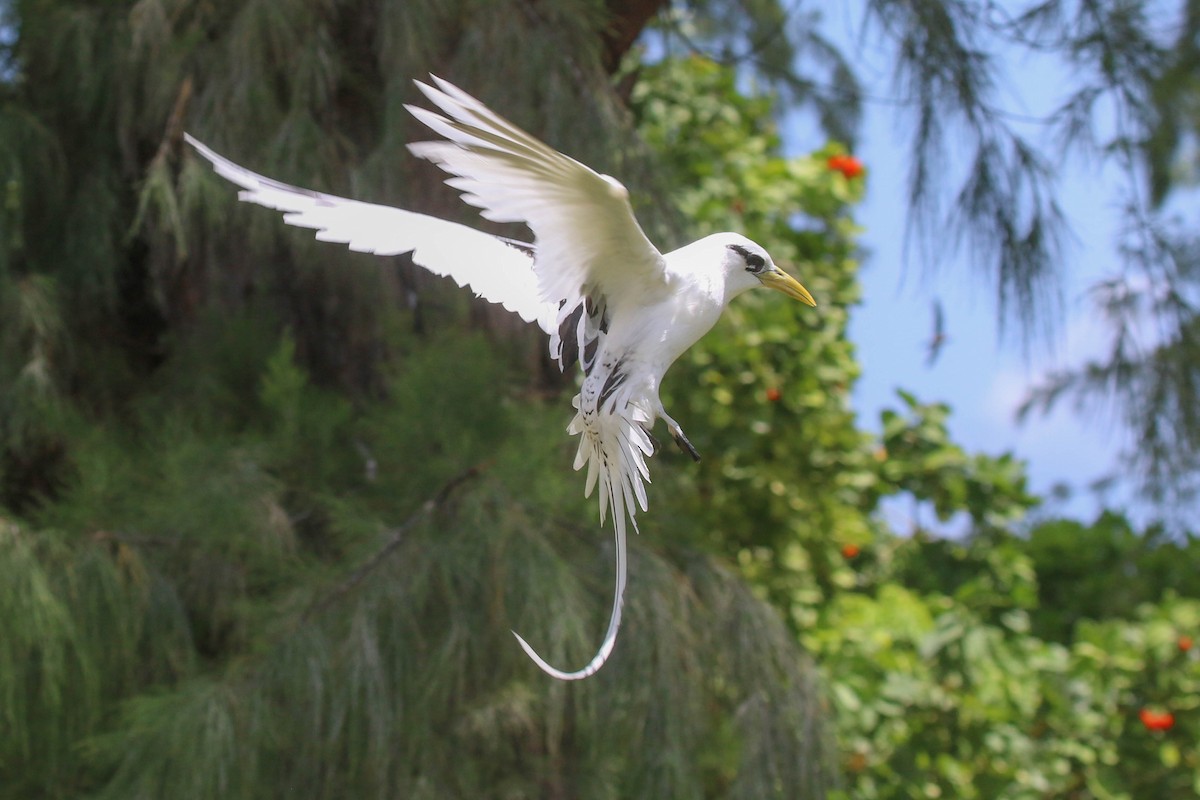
1157, 720
849, 166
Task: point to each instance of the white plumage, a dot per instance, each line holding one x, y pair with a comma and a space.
592, 281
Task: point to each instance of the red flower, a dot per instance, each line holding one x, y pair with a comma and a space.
1157, 720
774, 395
1184, 643
849, 166
850, 550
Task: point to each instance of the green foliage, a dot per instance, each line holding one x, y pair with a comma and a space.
917, 456
940, 687
191, 630
952, 695
87, 621
1106, 569
1174, 94
951, 665
787, 476
779, 471
414, 688
220, 577
1016, 666
33, 410
989, 574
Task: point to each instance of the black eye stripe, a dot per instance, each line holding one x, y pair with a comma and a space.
754, 262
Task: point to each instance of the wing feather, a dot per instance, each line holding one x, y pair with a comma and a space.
493, 268
586, 232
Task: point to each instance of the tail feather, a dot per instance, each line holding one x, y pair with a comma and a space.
614, 623
613, 444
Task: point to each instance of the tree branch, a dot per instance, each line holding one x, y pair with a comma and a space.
395, 539
627, 20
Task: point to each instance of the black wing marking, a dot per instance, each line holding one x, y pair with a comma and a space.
579, 331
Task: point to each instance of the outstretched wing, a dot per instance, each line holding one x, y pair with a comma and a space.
493, 267
588, 240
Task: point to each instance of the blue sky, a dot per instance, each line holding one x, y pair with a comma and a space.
981, 376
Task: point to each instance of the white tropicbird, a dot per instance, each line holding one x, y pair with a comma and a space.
591, 280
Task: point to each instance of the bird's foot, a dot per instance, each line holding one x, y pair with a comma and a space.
684, 445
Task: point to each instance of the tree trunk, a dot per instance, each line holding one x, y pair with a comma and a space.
629, 19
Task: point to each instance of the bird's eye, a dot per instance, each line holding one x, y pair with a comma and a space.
754, 262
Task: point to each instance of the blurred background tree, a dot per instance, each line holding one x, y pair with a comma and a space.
216, 435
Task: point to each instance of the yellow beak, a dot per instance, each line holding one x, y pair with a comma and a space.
780, 281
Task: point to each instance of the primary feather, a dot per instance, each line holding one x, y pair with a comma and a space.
490, 265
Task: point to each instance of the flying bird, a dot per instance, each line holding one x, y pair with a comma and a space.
591, 279
938, 339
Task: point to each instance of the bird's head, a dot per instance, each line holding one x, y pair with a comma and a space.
747, 265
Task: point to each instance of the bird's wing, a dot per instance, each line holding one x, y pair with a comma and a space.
588, 241
497, 269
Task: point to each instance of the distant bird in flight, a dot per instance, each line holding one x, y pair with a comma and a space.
591, 280
938, 338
